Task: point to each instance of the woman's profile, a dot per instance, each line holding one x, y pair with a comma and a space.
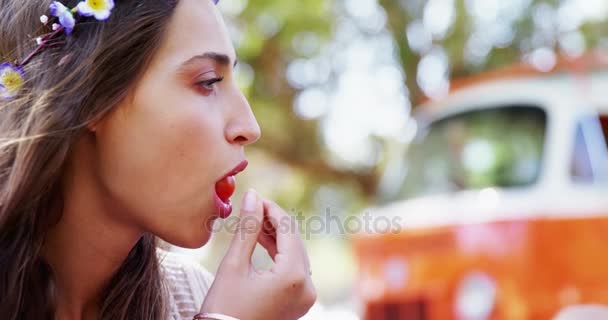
121, 123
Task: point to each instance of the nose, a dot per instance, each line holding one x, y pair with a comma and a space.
243, 128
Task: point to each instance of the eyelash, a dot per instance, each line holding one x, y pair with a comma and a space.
208, 84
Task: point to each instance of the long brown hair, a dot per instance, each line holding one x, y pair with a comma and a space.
67, 87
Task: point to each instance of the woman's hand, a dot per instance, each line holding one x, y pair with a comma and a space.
285, 291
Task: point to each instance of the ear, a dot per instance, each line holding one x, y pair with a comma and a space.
98, 122
94, 125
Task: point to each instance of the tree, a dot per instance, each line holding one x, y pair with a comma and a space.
470, 35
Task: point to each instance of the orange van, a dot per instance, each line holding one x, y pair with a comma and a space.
501, 202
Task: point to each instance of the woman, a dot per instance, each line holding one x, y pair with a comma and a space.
121, 123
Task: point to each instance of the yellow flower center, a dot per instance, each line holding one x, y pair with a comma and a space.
97, 4
11, 80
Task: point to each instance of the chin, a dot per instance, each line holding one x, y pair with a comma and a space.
191, 239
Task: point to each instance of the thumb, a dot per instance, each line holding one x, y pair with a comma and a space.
248, 230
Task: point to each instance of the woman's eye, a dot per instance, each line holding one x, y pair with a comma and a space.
208, 85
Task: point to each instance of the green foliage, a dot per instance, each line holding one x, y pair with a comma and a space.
269, 32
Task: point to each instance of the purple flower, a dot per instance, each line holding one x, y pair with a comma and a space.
65, 15
100, 9
11, 80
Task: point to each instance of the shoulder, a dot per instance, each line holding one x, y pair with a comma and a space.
187, 281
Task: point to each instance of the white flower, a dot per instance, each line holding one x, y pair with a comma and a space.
11, 80
100, 9
44, 19
39, 40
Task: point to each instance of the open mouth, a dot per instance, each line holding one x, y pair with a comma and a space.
224, 189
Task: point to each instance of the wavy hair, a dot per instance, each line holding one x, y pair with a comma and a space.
67, 88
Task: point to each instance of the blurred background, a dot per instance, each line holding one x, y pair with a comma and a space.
341, 88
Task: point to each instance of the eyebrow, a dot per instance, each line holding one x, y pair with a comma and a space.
219, 58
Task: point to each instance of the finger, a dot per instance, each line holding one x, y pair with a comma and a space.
289, 242
268, 228
246, 237
269, 243
280, 222
287, 222
267, 237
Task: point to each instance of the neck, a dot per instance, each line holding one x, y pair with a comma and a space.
87, 246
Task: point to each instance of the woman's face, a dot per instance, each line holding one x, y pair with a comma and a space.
184, 127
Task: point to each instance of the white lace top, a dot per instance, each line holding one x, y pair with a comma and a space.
188, 284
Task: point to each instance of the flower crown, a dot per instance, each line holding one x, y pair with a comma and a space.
12, 76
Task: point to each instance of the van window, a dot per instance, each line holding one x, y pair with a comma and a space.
490, 147
580, 168
604, 123
589, 158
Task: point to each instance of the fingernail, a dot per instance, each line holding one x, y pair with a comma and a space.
250, 201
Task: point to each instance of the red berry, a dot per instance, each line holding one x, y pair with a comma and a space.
225, 188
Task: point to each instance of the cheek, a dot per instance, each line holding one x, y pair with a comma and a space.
160, 163
191, 150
